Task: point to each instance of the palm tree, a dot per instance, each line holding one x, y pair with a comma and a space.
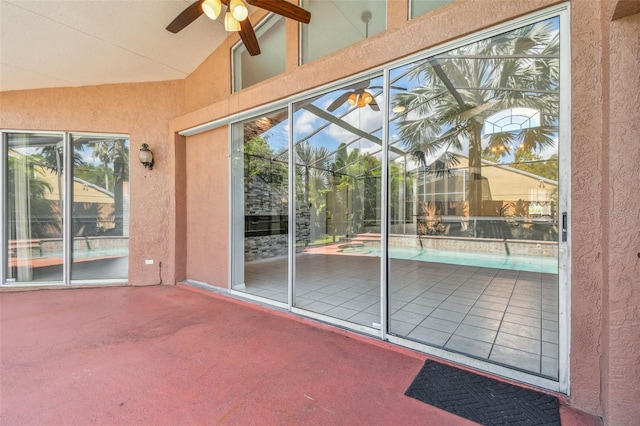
120, 176
314, 164
25, 185
453, 94
104, 151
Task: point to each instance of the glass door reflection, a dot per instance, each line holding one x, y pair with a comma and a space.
473, 260
338, 157
261, 197
100, 214
34, 200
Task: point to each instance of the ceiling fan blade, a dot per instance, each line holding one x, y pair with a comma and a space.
339, 101
283, 8
187, 16
248, 37
374, 105
360, 86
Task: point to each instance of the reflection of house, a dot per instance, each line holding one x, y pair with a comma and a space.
93, 205
501, 186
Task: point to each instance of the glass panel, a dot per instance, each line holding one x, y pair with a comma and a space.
35, 188
473, 238
249, 70
420, 7
261, 218
338, 154
100, 216
340, 23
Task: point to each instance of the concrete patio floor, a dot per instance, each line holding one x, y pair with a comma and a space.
176, 355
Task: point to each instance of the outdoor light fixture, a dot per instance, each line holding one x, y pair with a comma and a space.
146, 156
366, 97
360, 99
212, 8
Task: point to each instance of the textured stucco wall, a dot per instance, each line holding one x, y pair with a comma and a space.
141, 110
207, 218
622, 357
588, 146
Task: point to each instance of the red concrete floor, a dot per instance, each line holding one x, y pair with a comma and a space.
171, 355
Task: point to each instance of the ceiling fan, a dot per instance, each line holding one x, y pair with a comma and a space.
236, 17
356, 96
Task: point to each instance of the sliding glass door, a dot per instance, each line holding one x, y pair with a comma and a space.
34, 200
260, 197
473, 257
100, 207
337, 140
424, 204
40, 172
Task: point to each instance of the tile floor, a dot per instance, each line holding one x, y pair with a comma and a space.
504, 316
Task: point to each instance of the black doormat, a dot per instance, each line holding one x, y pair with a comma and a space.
482, 399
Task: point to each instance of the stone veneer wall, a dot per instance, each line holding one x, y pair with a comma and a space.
264, 199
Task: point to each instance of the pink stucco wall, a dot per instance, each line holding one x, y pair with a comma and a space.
621, 336
207, 216
141, 110
587, 191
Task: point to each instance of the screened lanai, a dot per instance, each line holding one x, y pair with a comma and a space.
420, 203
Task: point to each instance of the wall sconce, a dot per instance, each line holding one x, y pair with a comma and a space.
146, 156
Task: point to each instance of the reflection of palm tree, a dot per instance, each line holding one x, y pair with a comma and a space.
458, 90
120, 175
112, 153
44, 219
104, 151
313, 161
52, 158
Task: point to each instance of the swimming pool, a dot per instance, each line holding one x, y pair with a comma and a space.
86, 253
547, 265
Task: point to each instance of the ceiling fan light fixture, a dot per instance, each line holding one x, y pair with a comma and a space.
231, 23
352, 99
361, 102
238, 10
212, 8
366, 97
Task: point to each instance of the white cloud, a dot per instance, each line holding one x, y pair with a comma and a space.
305, 123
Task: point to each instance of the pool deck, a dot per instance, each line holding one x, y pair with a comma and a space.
504, 316
174, 355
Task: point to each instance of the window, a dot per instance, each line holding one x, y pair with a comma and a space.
420, 7
249, 70
338, 24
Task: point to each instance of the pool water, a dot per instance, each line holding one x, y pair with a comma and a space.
547, 265
83, 254
103, 252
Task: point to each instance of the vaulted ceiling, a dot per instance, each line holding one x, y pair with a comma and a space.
62, 43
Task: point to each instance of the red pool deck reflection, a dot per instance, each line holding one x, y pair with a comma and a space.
175, 355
